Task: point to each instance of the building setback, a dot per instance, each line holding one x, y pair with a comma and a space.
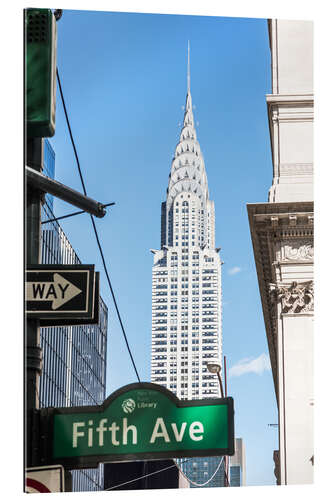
282, 237
186, 286
74, 357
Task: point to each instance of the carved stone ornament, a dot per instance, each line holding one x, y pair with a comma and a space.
296, 169
301, 250
276, 458
294, 298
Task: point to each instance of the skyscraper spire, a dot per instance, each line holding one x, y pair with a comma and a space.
188, 172
186, 292
188, 67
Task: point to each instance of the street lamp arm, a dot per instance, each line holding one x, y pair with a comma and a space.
221, 385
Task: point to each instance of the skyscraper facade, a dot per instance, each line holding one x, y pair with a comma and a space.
186, 285
74, 357
237, 471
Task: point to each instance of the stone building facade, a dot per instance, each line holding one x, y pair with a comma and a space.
282, 237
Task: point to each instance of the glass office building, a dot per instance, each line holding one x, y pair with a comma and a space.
202, 469
74, 357
49, 168
235, 475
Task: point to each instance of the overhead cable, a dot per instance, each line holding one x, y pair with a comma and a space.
95, 230
200, 484
141, 477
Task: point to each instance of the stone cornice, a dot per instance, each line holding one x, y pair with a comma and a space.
271, 225
281, 99
282, 208
288, 108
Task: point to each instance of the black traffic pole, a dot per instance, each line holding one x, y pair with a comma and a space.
33, 353
41, 58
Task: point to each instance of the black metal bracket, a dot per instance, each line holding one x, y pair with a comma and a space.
72, 214
65, 193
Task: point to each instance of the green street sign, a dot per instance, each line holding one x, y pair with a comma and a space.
137, 422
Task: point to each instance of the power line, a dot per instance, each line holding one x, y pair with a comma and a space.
206, 482
167, 468
72, 214
95, 230
142, 477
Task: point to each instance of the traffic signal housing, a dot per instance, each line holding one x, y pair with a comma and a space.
40, 72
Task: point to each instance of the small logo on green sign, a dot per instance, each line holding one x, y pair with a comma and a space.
128, 405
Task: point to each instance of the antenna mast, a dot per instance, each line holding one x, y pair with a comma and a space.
188, 67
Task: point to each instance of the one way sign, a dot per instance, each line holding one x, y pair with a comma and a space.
57, 291
60, 291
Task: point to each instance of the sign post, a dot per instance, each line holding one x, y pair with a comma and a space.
33, 353
138, 422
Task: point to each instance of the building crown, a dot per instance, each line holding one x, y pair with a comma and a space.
188, 171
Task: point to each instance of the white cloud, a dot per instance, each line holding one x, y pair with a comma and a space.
248, 365
234, 270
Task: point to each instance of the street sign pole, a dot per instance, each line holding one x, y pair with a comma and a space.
33, 356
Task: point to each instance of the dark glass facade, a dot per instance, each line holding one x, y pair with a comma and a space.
201, 469
235, 475
49, 168
141, 475
74, 357
237, 464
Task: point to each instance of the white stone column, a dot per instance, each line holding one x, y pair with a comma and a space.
294, 303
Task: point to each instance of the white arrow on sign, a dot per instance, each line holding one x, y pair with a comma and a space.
59, 291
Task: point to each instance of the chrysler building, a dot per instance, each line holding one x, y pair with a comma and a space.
186, 282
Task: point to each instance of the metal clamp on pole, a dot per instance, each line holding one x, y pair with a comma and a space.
65, 193
34, 358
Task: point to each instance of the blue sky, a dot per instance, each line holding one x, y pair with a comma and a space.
124, 82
